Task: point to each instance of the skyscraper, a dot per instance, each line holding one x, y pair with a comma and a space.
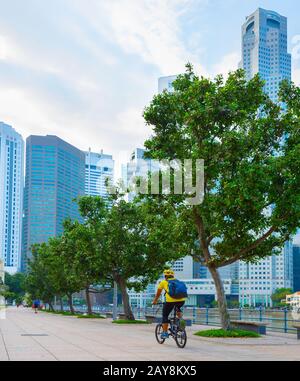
296, 268
264, 49
11, 196
55, 174
166, 83
98, 168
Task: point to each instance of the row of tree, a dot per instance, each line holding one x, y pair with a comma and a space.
118, 242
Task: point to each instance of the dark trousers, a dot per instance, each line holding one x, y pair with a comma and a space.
168, 308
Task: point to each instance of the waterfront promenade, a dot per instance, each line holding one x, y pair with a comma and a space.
26, 336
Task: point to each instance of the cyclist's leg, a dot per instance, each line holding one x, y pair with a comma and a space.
178, 307
167, 308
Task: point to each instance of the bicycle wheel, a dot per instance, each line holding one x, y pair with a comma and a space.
181, 338
158, 332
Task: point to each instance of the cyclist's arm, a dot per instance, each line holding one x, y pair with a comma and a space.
157, 296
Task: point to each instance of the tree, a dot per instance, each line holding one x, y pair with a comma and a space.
84, 257
279, 295
14, 287
50, 271
38, 281
130, 251
251, 151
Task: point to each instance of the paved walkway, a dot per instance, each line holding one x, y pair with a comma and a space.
26, 336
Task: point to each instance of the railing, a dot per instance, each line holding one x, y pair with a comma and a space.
276, 320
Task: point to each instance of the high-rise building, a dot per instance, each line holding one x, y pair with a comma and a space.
11, 197
55, 174
296, 268
257, 282
137, 167
166, 83
99, 167
264, 49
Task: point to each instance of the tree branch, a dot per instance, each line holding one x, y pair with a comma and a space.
246, 250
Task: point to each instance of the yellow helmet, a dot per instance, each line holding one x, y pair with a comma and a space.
168, 272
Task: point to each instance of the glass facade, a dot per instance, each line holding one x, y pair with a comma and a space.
98, 168
11, 196
55, 173
264, 49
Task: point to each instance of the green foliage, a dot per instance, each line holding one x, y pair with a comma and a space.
94, 316
226, 333
123, 321
14, 287
278, 297
251, 162
50, 271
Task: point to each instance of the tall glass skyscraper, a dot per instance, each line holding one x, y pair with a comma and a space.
11, 197
55, 174
98, 168
264, 49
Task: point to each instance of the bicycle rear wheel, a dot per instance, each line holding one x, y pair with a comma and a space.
181, 338
158, 332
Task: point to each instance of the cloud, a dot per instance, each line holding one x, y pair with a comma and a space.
151, 31
296, 76
228, 63
85, 73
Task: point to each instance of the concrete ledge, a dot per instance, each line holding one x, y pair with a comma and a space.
257, 327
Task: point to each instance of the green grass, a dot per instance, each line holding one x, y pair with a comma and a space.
122, 321
65, 313
229, 333
90, 317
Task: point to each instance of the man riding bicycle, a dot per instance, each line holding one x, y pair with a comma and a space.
171, 302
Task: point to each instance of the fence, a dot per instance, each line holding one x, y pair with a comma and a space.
276, 320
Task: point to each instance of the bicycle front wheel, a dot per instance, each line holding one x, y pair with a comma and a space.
158, 332
181, 338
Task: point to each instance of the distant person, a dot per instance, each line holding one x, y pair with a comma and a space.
36, 305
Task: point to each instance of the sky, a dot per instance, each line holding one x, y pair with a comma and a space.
85, 69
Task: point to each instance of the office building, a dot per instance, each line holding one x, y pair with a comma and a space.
99, 168
11, 197
264, 49
296, 268
55, 175
166, 83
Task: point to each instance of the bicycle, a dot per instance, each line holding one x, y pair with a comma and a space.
176, 331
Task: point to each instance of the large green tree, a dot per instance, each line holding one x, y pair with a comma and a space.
51, 272
132, 251
14, 289
251, 153
84, 257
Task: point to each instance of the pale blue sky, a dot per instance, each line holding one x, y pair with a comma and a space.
84, 69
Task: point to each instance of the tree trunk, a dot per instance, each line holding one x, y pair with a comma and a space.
127, 308
51, 306
222, 303
88, 301
71, 304
61, 304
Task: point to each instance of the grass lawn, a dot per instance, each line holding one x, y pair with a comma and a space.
229, 333
65, 313
122, 321
90, 317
